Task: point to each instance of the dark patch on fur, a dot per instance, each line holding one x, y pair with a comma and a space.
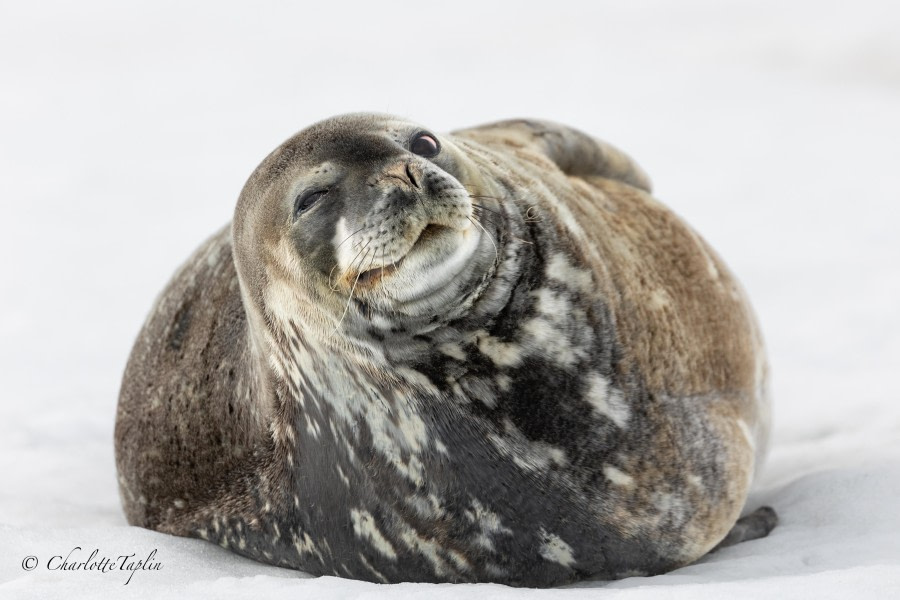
180, 326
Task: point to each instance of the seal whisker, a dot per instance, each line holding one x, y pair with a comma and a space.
493, 218
485, 208
359, 272
421, 202
486, 217
474, 194
334, 286
331, 285
484, 212
483, 197
531, 215
490, 237
349, 236
495, 222
361, 259
477, 206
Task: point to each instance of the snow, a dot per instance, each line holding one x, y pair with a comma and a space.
127, 131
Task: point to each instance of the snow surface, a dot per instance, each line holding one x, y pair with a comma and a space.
127, 131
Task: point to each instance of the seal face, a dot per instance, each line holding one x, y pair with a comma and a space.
486, 356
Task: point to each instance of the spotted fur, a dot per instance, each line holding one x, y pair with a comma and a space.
536, 373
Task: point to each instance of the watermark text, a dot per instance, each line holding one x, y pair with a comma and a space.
79, 559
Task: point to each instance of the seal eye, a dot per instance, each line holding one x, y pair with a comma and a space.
305, 200
425, 144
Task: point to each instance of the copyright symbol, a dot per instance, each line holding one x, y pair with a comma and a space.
30, 563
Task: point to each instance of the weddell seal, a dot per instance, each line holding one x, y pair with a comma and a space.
488, 356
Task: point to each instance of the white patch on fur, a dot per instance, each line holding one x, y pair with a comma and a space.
527, 454
277, 533
671, 507
311, 427
503, 354
305, 545
551, 304
381, 322
343, 477
374, 571
560, 269
567, 218
429, 506
344, 249
459, 560
427, 548
489, 522
617, 477
659, 298
549, 341
554, 549
365, 529
480, 390
553, 333
453, 350
607, 402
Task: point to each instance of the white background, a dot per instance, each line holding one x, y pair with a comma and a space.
773, 127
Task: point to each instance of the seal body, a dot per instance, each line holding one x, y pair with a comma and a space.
486, 356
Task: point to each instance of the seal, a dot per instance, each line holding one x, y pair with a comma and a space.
490, 356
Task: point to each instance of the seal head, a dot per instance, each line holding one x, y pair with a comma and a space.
363, 209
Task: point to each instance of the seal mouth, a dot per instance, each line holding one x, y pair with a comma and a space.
372, 276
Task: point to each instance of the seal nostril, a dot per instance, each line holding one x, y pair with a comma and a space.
412, 178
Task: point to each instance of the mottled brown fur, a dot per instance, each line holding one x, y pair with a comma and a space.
265, 411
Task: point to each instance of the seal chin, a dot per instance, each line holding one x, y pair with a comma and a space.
372, 276
437, 259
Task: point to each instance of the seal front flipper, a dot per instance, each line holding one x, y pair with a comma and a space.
757, 524
574, 152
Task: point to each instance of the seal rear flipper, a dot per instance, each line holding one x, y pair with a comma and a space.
757, 524
574, 152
